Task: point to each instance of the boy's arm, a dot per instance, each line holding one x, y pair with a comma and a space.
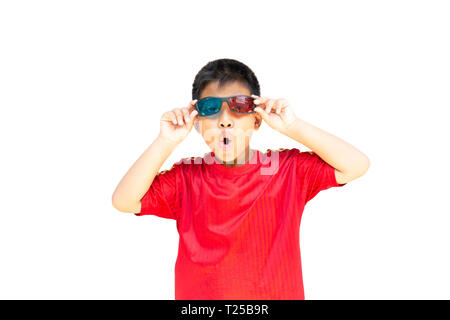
130, 190
175, 126
349, 163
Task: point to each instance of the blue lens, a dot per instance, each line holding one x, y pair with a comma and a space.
208, 106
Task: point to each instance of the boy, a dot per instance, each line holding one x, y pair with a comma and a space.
238, 210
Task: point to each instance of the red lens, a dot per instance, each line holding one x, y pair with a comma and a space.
241, 104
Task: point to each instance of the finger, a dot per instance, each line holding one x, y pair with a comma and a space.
278, 106
260, 100
283, 103
269, 105
193, 114
278, 110
173, 116
185, 112
179, 116
192, 105
169, 116
190, 123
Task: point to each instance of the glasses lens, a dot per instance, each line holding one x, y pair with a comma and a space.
208, 106
241, 104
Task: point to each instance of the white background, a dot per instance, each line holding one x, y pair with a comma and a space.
84, 83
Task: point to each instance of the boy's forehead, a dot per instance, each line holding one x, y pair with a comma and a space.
229, 89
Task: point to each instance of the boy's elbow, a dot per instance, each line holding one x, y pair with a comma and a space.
363, 169
125, 207
115, 202
366, 167
358, 171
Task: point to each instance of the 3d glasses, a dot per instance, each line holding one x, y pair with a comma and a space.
239, 104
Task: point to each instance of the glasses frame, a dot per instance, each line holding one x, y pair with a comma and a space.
222, 99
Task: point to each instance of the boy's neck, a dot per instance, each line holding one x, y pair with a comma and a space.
243, 158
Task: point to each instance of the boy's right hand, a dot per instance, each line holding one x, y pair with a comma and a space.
177, 123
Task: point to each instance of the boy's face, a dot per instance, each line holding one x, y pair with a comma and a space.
238, 128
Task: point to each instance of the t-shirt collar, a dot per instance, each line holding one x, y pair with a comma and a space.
253, 163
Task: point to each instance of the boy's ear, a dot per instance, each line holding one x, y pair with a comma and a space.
258, 121
197, 125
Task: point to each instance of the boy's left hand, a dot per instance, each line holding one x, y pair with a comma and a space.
275, 112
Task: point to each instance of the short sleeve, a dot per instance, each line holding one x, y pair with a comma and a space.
162, 197
314, 173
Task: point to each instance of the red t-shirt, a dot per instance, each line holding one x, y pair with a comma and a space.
239, 227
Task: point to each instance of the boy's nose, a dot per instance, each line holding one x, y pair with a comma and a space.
225, 118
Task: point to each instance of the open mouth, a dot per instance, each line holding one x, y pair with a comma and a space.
225, 142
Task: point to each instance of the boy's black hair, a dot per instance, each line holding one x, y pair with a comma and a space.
225, 71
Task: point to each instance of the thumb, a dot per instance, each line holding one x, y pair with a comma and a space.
193, 114
192, 118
